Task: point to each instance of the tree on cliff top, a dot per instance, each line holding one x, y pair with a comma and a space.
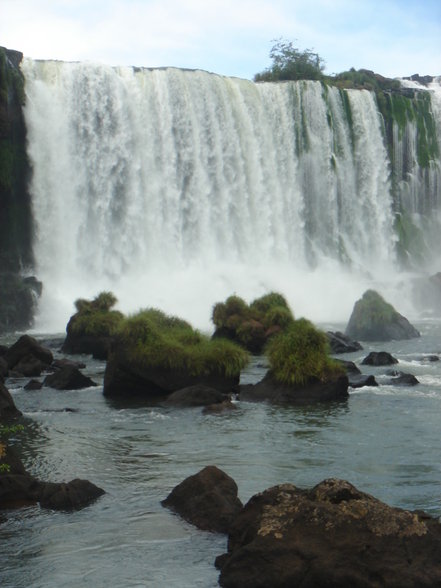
290, 63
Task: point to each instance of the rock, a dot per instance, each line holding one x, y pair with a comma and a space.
64, 362
96, 346
18, 488
71, 495
7, 405
379, 358
219, 407
401, 379
18, 301
207, 500
29, 366
198, 395
27, 346
430, 358
340, 343
333, 535
123, 378
349, 366
373, 319
68, 378
268, 389
33, 385
360, 380
3, 368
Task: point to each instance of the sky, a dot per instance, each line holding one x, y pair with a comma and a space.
395, 38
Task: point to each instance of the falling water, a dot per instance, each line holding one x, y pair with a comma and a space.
176, 188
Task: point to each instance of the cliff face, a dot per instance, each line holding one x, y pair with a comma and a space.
15, 205
17, 294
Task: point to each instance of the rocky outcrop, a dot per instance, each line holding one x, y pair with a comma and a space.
333, 535
268, 389
401, 378
18, 488
124, 377
7, 405
373, 319
207, 500
27, 349
17, 295
361, 380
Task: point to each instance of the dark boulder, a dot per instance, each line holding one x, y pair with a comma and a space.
333, 535
349, 366
361, 380
373, 319
207, 500
268, 389
68, 378
340, 343
18, 488
7, 405
3, 369
198, 395
64, 362
377, 358
29, 366
95, 345
401, 378
27, 346
71, 495
33, 385
124, 377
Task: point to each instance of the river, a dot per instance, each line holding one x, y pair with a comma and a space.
385, 440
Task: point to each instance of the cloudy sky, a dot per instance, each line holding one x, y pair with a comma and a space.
229, 37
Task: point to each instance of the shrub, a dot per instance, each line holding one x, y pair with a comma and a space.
155, 340
299, 354
95, 318
267, 302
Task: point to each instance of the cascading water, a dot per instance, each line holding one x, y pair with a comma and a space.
176, 188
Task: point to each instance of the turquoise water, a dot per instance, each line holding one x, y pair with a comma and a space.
385, 440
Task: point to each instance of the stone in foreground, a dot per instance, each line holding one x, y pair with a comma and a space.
332, 535
207, 500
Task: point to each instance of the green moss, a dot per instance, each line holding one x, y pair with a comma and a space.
373, 309
94, 317
299, 354
152, 339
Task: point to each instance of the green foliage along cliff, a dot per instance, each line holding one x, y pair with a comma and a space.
15, 205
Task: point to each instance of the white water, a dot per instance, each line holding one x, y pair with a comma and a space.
177, 188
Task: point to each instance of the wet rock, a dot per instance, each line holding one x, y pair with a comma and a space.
360, 380
64, 362
333, 535
401, 379
68, 378
349, 366
27, 347
7, 405
374, 319
340, 343
71, 495
198, 395
268, 389
378, 358
34, 385
207, 500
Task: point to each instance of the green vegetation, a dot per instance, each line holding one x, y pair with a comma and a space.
152, 339
5, 432
372, 309
290, 63
251, 325
300, 354
95, 317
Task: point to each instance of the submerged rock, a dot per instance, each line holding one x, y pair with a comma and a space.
373, 319
361, 380
198, 395
333, 535
207, 500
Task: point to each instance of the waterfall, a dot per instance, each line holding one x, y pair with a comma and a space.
176, 188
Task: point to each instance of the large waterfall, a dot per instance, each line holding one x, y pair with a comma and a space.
177, 188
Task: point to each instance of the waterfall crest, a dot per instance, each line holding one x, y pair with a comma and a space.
176, 188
